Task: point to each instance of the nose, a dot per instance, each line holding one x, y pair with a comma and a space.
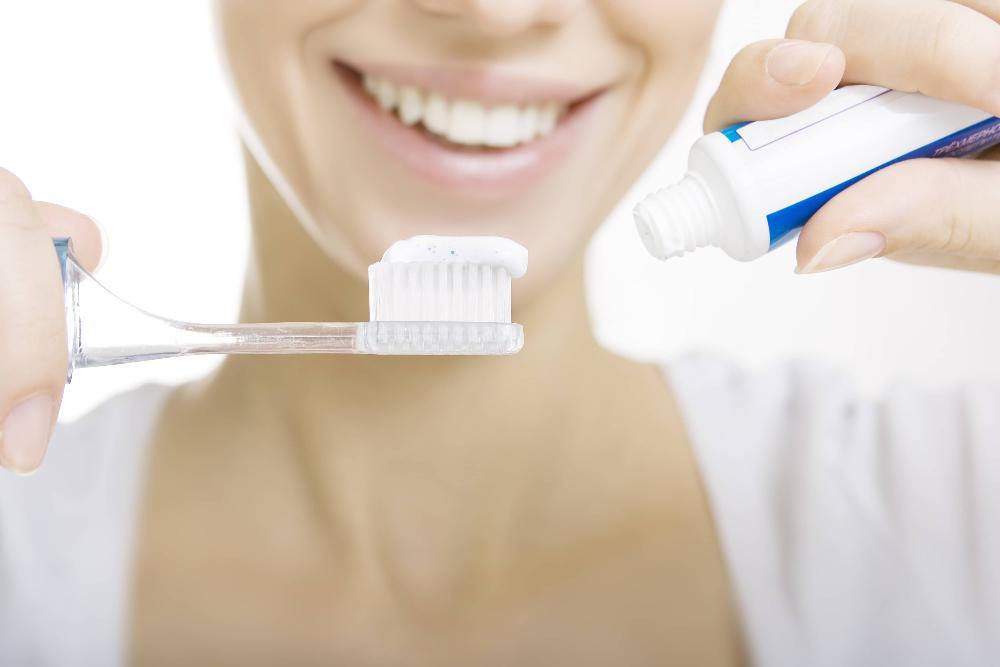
503, 17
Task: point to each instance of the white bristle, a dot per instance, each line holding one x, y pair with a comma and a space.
439, 292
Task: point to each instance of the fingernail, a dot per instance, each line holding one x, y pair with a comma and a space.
797, 63
846, 250
25, 435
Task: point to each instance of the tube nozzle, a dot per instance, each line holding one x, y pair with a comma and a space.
678, 219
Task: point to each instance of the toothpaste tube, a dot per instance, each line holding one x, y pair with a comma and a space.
753, 186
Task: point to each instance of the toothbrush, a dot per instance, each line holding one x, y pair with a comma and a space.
429, 295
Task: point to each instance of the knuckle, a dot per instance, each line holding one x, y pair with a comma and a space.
821, 20
959, 234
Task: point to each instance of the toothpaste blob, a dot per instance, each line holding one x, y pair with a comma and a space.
446, 279
479, 250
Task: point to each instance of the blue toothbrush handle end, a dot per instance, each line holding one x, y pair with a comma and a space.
64, 250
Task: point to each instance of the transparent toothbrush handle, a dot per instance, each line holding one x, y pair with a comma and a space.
70, 298
104, 330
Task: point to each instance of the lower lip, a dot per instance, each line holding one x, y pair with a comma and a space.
476, 171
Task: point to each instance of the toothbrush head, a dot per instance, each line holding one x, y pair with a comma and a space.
439, 295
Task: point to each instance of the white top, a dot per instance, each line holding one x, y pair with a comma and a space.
856, 533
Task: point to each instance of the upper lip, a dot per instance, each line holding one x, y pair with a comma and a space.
488, 84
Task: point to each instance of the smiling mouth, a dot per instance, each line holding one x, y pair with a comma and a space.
475, 129
464, 122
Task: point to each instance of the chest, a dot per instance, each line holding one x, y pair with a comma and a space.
613, 560
652, 604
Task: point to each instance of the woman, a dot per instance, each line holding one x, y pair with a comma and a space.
564, 506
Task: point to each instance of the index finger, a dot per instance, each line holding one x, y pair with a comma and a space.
942, 49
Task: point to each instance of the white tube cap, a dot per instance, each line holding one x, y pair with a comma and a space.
678, 219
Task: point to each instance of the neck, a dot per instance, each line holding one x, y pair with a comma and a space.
421, 465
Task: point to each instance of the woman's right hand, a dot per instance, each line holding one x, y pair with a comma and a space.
33, 352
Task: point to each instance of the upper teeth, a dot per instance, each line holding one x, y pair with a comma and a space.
464, 121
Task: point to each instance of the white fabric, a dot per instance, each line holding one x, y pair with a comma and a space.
856, 533
66, 538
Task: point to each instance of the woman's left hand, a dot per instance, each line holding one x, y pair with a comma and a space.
941, 212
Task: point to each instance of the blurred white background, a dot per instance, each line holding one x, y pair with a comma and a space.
118, 108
